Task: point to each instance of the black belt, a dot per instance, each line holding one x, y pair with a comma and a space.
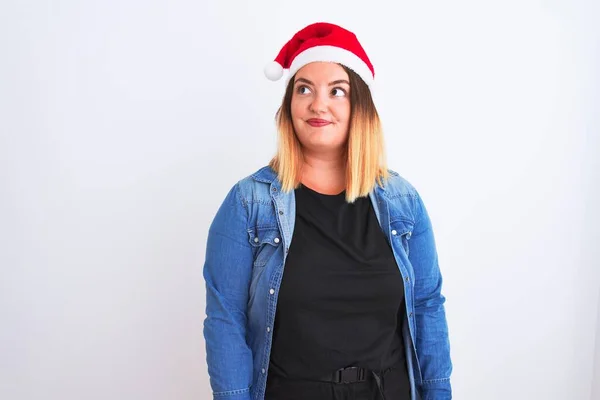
347, 375
354, 374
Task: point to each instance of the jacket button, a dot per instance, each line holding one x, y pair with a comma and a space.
280, 212
276, 240
263, 370
394, 232
256, 240
268, 329
272, 291
407, 279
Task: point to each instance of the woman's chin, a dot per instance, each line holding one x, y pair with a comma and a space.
324, 146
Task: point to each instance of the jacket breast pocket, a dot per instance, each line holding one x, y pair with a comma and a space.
401, 231
265, 240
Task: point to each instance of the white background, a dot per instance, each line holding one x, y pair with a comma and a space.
123, 124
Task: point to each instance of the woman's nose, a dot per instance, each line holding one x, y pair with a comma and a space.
319, 104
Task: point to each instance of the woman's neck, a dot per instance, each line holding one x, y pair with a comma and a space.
327, 176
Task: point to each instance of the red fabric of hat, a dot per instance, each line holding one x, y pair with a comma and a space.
321, 41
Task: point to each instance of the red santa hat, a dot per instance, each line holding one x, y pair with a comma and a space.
321, 41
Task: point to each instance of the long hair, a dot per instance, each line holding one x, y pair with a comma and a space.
366, 163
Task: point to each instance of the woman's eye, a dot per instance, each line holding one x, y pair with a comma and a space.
303, 89
338, 92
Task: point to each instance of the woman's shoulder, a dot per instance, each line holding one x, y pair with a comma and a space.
404, 199
255, 186
397, 185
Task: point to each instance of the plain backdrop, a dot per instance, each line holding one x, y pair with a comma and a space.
123, 124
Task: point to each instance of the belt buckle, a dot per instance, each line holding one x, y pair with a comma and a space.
350, 375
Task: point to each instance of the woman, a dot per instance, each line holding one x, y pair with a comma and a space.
322, 278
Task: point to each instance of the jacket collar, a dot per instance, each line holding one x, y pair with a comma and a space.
266, 174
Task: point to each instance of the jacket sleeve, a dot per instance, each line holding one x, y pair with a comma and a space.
432, 343
227, 271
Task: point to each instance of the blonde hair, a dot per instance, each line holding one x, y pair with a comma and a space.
366, 163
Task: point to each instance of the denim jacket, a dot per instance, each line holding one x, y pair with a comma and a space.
247, 245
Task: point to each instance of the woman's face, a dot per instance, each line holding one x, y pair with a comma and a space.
321, 106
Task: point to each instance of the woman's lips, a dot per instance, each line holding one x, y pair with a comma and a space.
316, 122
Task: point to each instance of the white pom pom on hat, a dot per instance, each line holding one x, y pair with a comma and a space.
273, 71
321, 41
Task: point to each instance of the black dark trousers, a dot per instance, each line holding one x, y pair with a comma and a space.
394, 381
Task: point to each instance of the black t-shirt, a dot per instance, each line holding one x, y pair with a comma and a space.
341, 301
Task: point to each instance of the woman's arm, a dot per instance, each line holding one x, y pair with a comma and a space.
432, 343
227, 273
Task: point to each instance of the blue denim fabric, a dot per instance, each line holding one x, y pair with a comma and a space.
245, 256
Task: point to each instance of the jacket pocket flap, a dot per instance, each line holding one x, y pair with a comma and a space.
264, 234
401, 227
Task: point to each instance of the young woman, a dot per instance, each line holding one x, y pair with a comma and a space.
322, 276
